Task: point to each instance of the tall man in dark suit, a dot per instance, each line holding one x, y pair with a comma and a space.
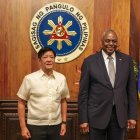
107, 100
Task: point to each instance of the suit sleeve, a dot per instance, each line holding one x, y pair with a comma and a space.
132, 94
83, 94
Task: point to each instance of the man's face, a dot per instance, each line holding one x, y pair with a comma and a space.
47, 60
109, 43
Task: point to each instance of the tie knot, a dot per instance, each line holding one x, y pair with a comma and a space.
110, 57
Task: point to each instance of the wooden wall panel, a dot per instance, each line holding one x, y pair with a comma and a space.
134, 49
71, 69
16, 48
101, 21
10, 129
120, 22
3, 51
114, 14
19, 57
135, 30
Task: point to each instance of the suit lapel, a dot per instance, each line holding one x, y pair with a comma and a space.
102, 67
118, 67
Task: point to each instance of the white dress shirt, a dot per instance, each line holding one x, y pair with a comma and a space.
106, 60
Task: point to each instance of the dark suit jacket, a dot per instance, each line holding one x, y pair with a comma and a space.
96, 93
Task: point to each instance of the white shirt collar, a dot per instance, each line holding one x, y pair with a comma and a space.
42, 73
105, 56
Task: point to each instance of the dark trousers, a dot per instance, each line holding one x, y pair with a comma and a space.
44, 132
112, 132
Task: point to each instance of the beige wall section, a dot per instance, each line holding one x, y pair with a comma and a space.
18, 56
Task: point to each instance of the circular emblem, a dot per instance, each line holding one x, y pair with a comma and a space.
63, 28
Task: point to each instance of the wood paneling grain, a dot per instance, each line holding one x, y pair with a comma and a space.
71, 69
3, 51
101, 21
19, 57
135, 30
10, 128
134, 49
120, 22
17, 48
